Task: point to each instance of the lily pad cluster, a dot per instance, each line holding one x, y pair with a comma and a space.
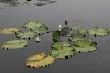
33, 30
78, 41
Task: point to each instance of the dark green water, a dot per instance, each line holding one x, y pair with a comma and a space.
91, 12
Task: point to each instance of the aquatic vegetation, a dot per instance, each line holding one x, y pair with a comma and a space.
84, 45
78, 40
59, 27
98, 31
14, 44
66, 31
33, 25
76, 35
26, 35
42, 29
9, 30
79, 30
37, 39
39, 60
62, 50
56, 36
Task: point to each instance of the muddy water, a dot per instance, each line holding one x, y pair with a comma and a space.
91, 12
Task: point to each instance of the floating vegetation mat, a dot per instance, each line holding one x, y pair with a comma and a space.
78, 41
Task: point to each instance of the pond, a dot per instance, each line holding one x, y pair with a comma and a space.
91, 13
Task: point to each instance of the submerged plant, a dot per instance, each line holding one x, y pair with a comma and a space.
9, 30
39, 60
14, 44
62, 50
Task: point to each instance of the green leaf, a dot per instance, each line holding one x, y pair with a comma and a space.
62, 50
98, 31
26, 35
84, 45
56, 36
79, 30
41, 30
39, 60
9, 30
14, 44
74, 36
33, 25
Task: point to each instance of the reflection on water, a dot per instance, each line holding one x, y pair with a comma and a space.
26, 2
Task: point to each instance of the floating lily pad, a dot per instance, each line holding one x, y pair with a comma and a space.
14, 44
79, 30
76, 36
39, 60
62, 50
26, 35
84, 45
56, 36
9, 30
41, 30
66, 31
33, 25
98, 31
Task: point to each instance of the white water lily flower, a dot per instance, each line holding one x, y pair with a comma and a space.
38, 39
59, 27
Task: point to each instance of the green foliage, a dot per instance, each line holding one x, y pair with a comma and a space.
26, 35
41, 30
9, 30
62, 50
14, 44
98, 31
56, 36
79, 30
33, 25
84, 45
74, 36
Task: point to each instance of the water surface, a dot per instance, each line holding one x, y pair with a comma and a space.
91, 12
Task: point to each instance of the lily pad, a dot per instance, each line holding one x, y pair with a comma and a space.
26, 35
56, 36
14, 44
33, 25
9, 30
41, 30
74, 36
79, 30
39, 60
66, 31
62, 50
98, 31
84, 45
